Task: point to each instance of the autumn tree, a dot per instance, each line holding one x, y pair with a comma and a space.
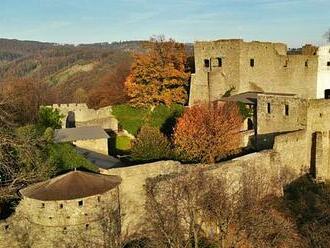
158, 76
207, 133
26, 96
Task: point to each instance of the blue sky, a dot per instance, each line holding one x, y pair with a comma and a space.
85, 21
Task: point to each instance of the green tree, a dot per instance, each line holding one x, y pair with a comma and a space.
150, 144
49, 117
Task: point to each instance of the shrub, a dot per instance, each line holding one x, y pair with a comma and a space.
65, 157
164, 117
207, 133
150, 145
49, 117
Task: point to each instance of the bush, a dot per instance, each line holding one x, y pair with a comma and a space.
164, 117
49, 117
208, 133
65, 157
150, 145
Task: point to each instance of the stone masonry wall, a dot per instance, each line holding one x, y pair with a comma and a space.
57, 223
273, 70
88, 117
96, 145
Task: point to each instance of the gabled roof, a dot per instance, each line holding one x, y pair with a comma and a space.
79, 133
72, 185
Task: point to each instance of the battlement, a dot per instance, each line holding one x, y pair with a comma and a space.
70, 106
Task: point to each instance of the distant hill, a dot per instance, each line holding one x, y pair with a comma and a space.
68, 67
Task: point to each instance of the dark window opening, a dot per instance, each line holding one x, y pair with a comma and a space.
252, 62
87, 225
6, 227
64, 230
286, 109
286, 63
327, 94
328, 63
50, 218
80, 203
306, 63
219, 62
42, 205
61, 205
70, 120
206, 63
249, 124
99, 198
268, 108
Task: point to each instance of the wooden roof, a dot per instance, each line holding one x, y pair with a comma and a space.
72, 185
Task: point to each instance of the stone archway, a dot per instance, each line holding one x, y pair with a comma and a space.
70, 120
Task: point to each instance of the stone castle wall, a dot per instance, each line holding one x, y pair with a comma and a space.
288, 155
96, 145
88, 117
273, 71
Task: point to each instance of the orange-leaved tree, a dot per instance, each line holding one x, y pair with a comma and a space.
159, 76
208, 132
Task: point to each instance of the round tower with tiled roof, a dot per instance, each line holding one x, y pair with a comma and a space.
68, 203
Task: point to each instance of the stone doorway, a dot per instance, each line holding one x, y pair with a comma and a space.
70, 120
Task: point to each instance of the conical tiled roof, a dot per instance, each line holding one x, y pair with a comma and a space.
72, 185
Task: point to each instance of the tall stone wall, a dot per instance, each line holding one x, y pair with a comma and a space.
88, 117
132, 194
272, 116
273, 70
287, 157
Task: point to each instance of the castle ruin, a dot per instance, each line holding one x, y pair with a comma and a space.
240, 66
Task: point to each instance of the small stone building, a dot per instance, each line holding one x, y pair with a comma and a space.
67, 208
90, 138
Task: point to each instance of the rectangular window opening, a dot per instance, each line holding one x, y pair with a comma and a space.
206, 63
42, 205
80, 203
252, 62
61, 205
328, 63
286, 109
286, 63
306, 63
219, 62
268, 108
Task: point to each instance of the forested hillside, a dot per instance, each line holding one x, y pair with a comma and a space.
43, 73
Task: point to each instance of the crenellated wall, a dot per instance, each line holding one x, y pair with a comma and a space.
84, 116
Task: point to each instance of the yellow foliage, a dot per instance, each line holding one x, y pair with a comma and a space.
159, 76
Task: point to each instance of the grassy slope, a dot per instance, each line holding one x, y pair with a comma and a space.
133, 118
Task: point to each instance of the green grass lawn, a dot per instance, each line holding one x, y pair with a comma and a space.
133, 118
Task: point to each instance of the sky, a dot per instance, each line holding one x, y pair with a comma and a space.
295, 22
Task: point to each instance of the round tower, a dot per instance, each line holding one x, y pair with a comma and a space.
68, 206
